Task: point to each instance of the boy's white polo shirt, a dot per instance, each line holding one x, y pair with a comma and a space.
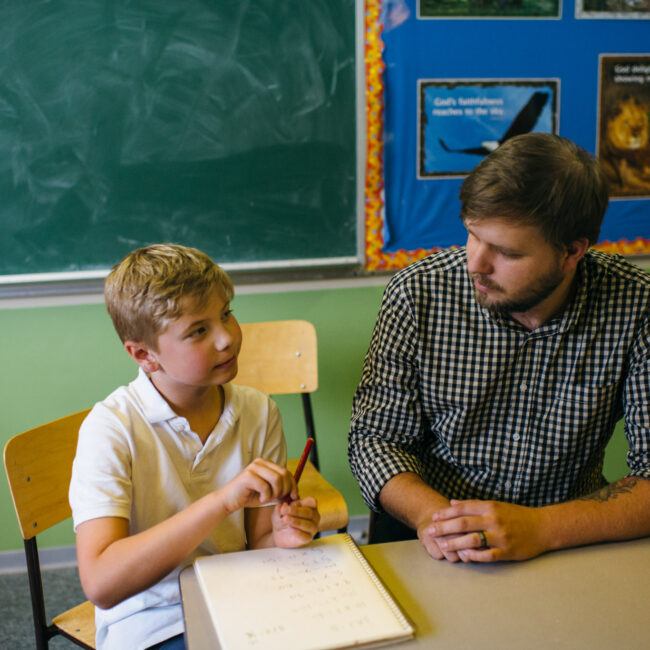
138, 460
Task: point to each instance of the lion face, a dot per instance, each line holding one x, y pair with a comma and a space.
628, 129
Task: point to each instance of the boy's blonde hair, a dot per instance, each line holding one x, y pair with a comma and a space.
144, 291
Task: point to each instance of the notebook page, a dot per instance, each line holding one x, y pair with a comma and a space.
313, 598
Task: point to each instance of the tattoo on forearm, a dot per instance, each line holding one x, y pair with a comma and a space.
612, 491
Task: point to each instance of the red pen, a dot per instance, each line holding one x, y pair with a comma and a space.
301, 465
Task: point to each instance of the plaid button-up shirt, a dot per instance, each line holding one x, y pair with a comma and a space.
481, 407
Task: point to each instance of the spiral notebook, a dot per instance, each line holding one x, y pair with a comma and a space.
320, 597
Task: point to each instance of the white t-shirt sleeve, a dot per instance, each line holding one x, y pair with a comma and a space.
275, 446
101, 483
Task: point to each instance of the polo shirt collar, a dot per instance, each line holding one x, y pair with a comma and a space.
156, 409
153, 404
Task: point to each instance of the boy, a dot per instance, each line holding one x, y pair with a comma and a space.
176, 464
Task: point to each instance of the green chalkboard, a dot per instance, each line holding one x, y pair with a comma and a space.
228, 125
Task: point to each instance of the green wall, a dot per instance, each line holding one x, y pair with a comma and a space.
57, 360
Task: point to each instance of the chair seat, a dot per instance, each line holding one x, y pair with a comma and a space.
331, 504
78, 623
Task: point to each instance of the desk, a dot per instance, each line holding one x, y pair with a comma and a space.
594, 597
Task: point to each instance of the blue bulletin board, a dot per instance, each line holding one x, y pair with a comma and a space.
453, 87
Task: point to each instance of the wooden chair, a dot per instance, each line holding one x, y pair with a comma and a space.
280, 358
38, 463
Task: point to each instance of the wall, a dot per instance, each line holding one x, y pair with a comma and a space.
60, 359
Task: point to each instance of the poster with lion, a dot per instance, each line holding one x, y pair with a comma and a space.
623, 123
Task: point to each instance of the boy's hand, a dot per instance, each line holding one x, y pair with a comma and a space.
259, 483
295, 523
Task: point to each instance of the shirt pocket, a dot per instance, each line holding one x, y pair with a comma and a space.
575, 422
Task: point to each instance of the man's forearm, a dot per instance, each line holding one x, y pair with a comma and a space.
410, 500
512, 532
617, 511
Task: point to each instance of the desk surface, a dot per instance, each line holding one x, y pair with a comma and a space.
592, 597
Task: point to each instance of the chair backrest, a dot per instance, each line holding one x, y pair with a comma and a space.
279, 357
38, 463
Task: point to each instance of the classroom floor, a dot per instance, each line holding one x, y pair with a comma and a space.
62, 591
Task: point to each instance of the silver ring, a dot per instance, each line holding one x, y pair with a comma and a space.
481, 536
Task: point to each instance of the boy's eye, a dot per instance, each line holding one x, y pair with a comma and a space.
227, 314
198, 331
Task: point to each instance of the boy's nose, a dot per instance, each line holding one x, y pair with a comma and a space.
222, 338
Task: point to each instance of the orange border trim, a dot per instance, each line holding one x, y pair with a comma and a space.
374, 181
639, 246
376, 258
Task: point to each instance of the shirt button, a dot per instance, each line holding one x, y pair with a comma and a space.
508, 484
516, 437
523, 386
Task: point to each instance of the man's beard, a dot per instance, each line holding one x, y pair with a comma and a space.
525, 300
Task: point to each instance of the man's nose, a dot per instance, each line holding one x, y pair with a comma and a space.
478, 260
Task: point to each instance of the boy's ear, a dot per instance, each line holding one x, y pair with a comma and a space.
575, 251
142, 354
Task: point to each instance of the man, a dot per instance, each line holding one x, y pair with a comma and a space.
497, 372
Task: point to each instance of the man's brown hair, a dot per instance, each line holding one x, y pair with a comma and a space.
542, 180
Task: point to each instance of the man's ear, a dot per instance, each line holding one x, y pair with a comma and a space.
143, 355
575, 251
